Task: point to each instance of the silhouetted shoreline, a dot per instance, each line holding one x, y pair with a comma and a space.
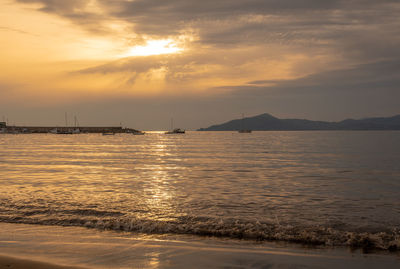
267, 122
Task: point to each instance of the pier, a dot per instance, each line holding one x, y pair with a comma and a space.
48, 129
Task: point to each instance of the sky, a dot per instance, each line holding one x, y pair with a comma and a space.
140, 63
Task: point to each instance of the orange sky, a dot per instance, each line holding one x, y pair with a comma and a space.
64, 53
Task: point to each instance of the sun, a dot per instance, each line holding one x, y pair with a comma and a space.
155, 47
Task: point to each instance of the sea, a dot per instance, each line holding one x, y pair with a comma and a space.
316, 188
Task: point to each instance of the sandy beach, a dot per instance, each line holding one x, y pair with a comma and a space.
14, 263
48, 247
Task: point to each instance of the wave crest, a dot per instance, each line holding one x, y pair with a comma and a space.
230, 228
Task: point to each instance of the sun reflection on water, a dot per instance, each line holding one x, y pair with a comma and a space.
160, 187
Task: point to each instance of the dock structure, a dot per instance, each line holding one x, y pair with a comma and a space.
3, 127
48, 129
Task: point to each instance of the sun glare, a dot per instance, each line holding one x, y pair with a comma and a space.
155, 47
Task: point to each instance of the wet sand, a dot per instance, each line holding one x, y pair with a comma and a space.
90, 248
7, 262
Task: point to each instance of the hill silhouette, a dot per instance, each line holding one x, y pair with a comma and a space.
267, 122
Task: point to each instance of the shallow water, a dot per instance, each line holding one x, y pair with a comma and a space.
333, 188
95, 249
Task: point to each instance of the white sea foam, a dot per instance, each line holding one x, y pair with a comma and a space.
229, 228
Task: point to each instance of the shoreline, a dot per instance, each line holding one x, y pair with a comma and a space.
52, 247
19, 263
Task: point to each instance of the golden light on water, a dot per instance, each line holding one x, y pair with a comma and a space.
155, 47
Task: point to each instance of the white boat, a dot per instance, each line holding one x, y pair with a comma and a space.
61, 131
176, 130
66, 129
53, 131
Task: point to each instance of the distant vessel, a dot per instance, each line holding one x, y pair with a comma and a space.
138, 132
61, 131
108, 133
243, 130
76, 124
53, 131
176, 130
67, 131
134, 132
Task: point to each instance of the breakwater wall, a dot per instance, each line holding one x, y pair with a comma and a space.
83, 129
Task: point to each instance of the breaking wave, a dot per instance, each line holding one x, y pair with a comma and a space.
226, 228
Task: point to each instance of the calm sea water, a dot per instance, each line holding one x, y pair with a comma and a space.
332, 188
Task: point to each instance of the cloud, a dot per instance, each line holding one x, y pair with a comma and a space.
352, 28
364, 90
84, 13
2, 28
377, 77
361, 91
258, 56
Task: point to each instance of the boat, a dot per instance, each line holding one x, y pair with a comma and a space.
76, 129
64, 130
176, 131
67, 131
134, 132
53, 131
138, 132
243, 130
61, 131
109, 133
13, 130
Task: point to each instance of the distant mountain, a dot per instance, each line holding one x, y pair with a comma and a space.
267, 122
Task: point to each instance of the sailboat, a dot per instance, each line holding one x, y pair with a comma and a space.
243, 130
76, 124
63, 130
176, 130
137, 132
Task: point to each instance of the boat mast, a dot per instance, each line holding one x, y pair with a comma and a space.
66, 120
